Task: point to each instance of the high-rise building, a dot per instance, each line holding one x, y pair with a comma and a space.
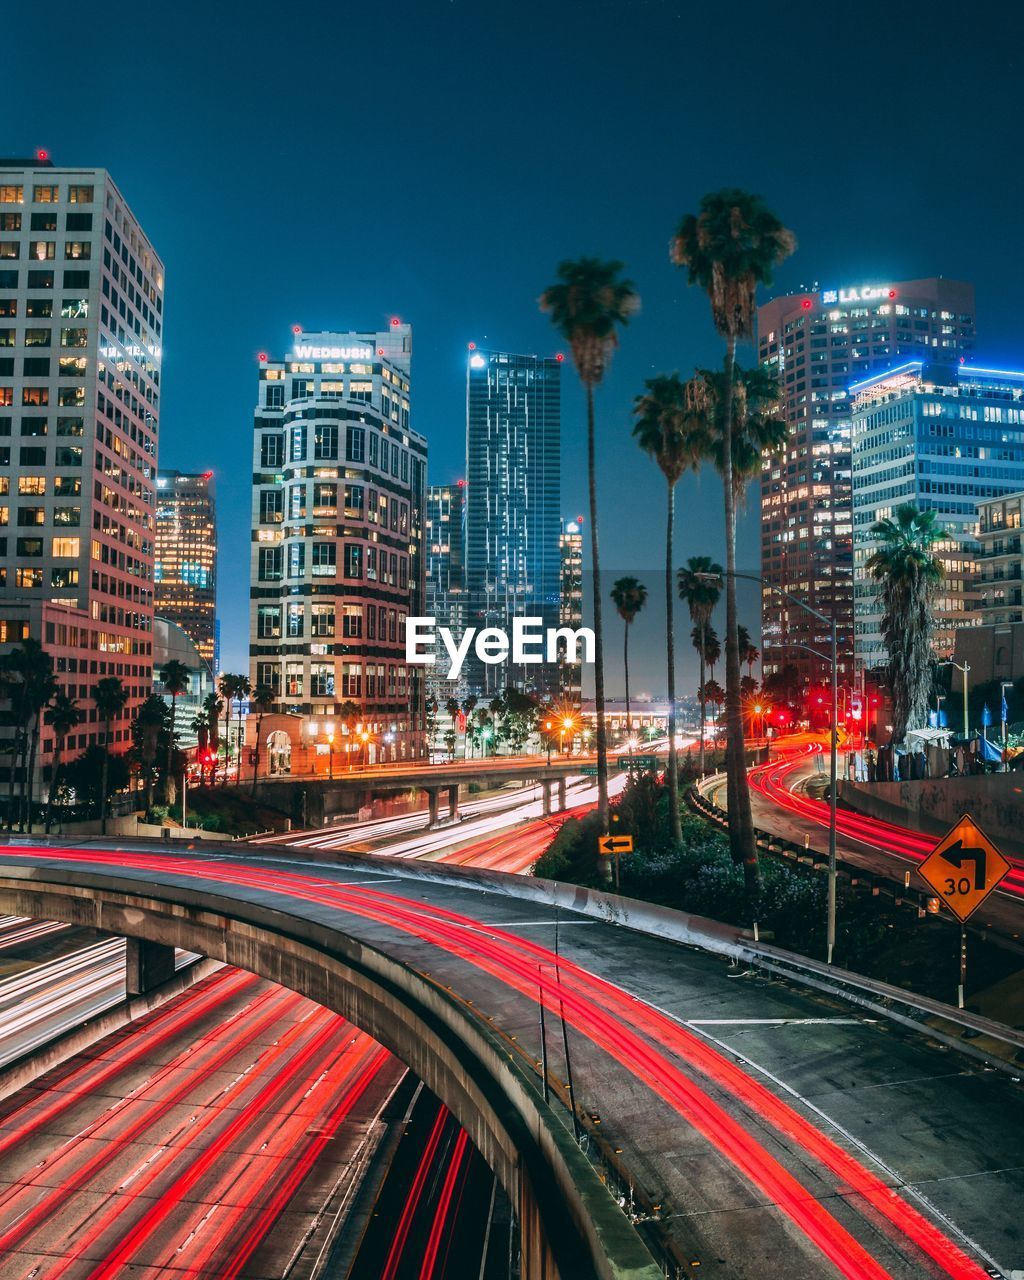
570, 608
513, 476
944, 438
337, 551
185, 573
1001, 558
445, 573
81, 324
817, 343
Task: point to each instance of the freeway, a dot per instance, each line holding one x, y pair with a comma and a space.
777, 1134
206, 1140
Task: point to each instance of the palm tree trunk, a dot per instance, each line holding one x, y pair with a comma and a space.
238, 770
170, 748
703, 699
227, 738
58, 753
103, 777
625, 665
30, 772
595, 565
10, 781
670, 645
741, 825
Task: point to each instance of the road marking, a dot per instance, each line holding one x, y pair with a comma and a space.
516, 924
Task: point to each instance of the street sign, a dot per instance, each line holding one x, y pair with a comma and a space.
614, 844
964, 868
638, 762
589, 770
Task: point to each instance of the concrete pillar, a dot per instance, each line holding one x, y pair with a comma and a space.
561, 793
147, 965
432, 795
546, 786
453, 802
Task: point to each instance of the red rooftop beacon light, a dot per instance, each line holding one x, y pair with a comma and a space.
472, 346
395, 322
892, 293
380, 351
42, 155
559, 357
807, 304
296, 328
263, 357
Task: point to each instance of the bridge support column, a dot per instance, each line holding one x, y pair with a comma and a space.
432, 796
561, 793
453, 802
147, 965
546, 788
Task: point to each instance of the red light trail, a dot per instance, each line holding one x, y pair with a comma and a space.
650, 1045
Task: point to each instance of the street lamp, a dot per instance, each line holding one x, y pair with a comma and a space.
833, 752
330, 752
965, 671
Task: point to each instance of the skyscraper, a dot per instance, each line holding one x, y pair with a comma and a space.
513, 476
570, 609
817, 343
445, 572
186, 556
337, 552
81, 325
944, 438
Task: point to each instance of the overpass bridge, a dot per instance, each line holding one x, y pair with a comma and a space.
315, 800
722, 1119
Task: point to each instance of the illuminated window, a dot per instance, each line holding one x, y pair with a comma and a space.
80, 195
73, 366
77, 249
45, 195
10, 194
9, 249
28, 579
42, 250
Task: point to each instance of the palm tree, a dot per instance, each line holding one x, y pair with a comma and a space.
151, 717
175, 678
243, 687
907, 571
712, 648
755, 434
728, 248
213, 706
32, 668
110, 697
629, 596
230, 688
749, 652
677, 441
263, 699
698, 587
62, 715
588, 305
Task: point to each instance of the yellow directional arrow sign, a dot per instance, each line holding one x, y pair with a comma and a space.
964, 868
614, 844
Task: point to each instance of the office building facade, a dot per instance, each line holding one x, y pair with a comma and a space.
185, 573
945, 438
81, 325
570, 605
337, 545
817, 343
513, 486
445, 577
1001, 558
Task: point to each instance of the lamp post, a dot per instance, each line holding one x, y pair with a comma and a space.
330, 754
834, 735
965, 672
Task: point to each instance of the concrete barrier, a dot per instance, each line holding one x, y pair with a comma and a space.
933, 805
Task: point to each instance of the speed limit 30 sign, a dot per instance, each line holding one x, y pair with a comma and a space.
964, 868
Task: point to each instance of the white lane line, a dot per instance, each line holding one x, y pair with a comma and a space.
778, 1022
863, 1148
856, 1142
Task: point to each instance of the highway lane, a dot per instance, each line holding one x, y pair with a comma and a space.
204, 1143
782, 807
834, 1145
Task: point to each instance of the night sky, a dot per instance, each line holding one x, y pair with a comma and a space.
333, 165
